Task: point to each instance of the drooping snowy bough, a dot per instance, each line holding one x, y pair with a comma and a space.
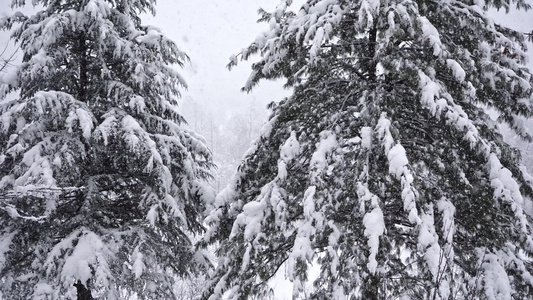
383, 168
101, 184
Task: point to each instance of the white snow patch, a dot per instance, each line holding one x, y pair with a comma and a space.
288, 151
153, 215
138, 264
397, 160
328, 142
457, 71
42, 290
10, 77
398, 166
374, 227
383, 132
366, 137
428, 241
430, 35
495, 280
86, 254
506, 188
430, 91
252, 216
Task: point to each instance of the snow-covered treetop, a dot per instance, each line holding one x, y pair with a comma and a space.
298, 41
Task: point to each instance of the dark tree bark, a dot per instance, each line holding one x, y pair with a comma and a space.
83, 292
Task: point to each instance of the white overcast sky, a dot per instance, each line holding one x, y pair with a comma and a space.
210, 31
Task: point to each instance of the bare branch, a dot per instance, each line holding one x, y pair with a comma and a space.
6, 62
529, 36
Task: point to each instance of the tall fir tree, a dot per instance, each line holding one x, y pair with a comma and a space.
383, 169
102, 185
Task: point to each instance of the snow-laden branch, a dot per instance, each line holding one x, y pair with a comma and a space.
8, 200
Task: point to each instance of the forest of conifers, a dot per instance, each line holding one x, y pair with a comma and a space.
387, 172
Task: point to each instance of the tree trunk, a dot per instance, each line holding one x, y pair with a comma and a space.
83, 292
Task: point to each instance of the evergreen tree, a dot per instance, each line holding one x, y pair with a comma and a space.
383, 169
102, 187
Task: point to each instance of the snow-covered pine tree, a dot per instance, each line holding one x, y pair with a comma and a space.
102, 186
383, 169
